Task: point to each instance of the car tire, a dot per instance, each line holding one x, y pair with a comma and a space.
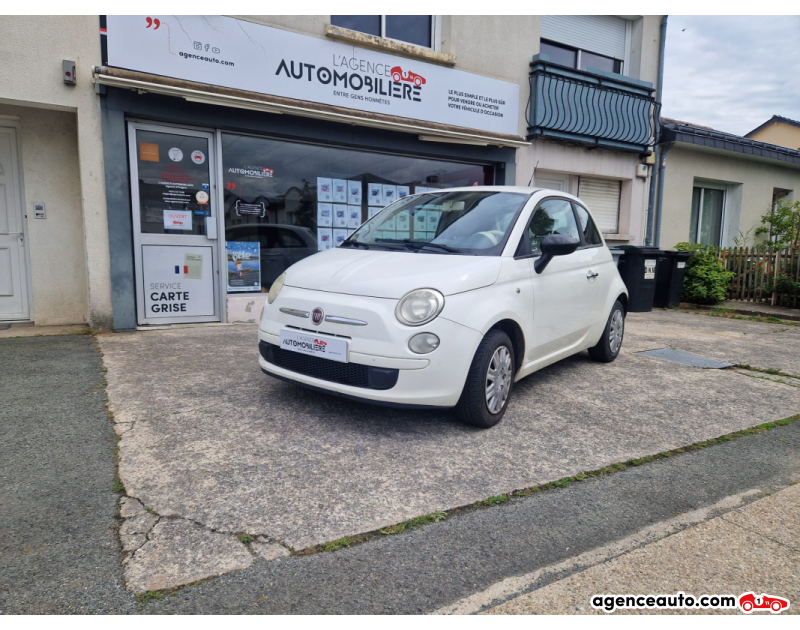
495, 354
747, 607
607, 349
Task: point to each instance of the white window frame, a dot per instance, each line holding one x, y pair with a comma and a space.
436, 33
579, 51
703, 185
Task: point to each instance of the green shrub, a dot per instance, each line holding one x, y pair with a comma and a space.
706, 280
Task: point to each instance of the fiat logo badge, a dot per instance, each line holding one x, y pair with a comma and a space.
317, 316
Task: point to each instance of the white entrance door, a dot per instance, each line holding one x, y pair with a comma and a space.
174, 224
13, 266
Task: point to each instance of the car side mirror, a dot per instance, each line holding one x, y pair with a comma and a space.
554, 245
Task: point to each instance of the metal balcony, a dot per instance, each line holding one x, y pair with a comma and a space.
591, 108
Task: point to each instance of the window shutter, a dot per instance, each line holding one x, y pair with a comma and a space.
602, 198
601, 34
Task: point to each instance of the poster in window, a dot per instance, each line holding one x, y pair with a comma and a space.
389, 193
354, 193
244, 266
353, 217
420, 221
339, 216
375, 195
324, 189
372, 211
403, 221
324, 239
390, 224
433, 220
339, 191
403, 191
338, 237
324, 214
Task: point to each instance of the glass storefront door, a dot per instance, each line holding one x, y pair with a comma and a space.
174, 224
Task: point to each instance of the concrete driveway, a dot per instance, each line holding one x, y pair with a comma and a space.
211, 445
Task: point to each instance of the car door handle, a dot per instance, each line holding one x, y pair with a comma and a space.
592, 274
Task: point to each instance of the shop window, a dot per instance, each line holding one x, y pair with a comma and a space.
413, 29
295, 199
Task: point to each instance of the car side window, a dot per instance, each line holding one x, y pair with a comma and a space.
553, 216
590, 234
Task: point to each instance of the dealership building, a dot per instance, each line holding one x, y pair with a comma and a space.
166, 169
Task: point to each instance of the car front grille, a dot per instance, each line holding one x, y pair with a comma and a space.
353, 374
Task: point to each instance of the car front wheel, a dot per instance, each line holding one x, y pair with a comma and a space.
489, 382
607, 349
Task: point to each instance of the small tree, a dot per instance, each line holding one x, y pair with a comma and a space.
782, 224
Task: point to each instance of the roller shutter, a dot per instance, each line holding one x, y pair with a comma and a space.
601, 34
602, 197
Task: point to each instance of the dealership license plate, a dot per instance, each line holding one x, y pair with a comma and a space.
315, 345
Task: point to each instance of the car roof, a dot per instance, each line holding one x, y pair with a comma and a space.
526, 190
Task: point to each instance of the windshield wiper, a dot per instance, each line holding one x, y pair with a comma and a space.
417, 246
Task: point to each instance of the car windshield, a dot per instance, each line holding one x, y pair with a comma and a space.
473, 222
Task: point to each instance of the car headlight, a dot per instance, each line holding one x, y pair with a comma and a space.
418, 307
275, 288
423, 343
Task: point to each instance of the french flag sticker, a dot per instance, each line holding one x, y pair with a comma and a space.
185, 269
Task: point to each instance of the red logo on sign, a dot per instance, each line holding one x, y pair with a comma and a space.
749, 602
398, 74
317, 315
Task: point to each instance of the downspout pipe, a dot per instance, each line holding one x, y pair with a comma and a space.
651, 197
661, 166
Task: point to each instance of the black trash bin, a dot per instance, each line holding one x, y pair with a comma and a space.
669, 278
638, 268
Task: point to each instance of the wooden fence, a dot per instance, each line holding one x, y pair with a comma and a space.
764, 275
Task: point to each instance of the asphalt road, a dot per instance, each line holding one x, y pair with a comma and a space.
60, 553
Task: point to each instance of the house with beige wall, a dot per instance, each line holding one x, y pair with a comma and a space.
717, 185
779, 130
54, 264
91, 162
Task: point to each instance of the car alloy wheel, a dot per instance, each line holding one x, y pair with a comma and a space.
616, 331
498, 380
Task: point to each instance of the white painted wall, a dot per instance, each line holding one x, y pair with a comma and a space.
32, 49
56, 247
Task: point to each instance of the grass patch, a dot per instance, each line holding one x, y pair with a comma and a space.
730, 313
118, 485
338, 544
245, 538
771, 371
502, 498
146, 597
413, 523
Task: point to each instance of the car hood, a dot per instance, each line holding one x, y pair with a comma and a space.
386, 274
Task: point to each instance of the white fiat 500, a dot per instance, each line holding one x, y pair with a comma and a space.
446, 299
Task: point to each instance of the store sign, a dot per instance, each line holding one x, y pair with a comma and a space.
236, 54
178, 281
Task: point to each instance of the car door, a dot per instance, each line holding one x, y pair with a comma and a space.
600, 270
561, 308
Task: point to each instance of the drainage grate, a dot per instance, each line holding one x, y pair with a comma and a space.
687, 358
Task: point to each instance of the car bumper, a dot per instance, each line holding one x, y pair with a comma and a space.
423, 380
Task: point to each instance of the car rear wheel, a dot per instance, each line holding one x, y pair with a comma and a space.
607, 349
489, 382
776, 606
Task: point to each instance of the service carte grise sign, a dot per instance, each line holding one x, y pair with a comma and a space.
242, 55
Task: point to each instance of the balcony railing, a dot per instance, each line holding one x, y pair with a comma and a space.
592, 108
